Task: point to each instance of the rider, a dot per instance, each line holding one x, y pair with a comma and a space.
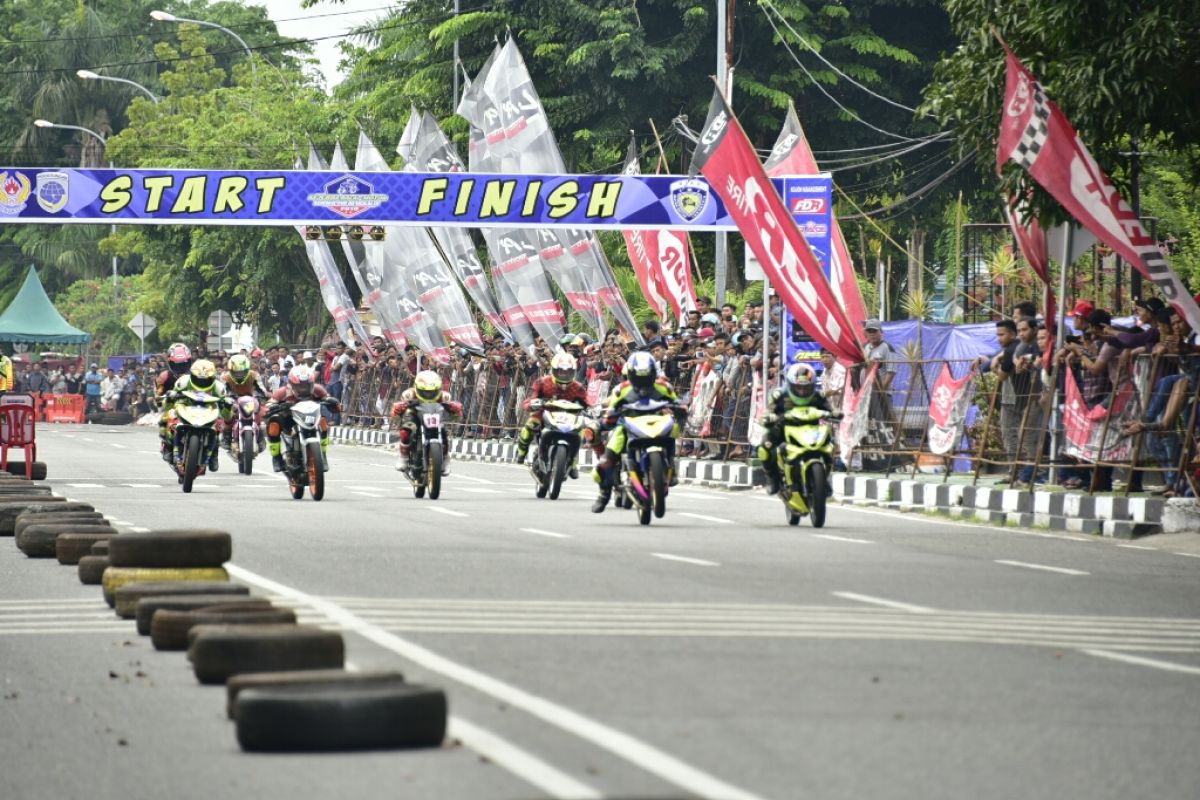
560, 384
241, 381
179, 361
202, 377
642, 382
799, 391
301, 385
426, 388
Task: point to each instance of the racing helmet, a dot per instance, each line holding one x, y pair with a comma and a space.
801, 383
179, 358
641, 370
204, 375
562, 367
428, 386
300, 379
239, 368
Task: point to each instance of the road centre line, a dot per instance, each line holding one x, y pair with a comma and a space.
86, 485
521, 763
374, 495
1136, 547
551, 534
879, 601
700, 562
1027, 565
1189, 555
140, 530
623, 745
706, 518
479, 490
472, 478
447, 511
118, 446
1144, 662
833, 538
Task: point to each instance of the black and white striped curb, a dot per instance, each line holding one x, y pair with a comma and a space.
1120, 517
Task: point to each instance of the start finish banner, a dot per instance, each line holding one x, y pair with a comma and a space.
214, 197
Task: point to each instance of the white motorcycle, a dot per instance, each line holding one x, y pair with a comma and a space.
303, 459
563, 422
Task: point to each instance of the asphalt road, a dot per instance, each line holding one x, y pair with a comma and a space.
717, 653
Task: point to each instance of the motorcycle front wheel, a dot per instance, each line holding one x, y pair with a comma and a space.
558, 471
191, 461
316, 474
433, 470
246, 456
658, 484
817, 482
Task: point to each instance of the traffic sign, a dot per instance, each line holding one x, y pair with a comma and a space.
143, 325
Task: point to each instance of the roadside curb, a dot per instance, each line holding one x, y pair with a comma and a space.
1117, 517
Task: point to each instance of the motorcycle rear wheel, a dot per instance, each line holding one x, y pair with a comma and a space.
191, 461
316, 471
246, 455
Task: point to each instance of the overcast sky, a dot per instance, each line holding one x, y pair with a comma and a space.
311, 23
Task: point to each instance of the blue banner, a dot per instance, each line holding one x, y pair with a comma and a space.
214, 197
810, 199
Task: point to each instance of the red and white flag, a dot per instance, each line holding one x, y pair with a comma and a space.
792, 155
856, 408
948, 403
1035, 134
1031, 240
1088, 435
726, 158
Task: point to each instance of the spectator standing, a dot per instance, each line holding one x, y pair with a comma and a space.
6, 373
37, 382
74, 382
110, 390
91, 383
1027, 389
58, 384
1003, 366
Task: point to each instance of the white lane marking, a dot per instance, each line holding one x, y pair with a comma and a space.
140, 530
1189, 555
705, 517
879, 601
521, 763
833, 538
142, 485
644, 755
120, 522
686, 560
478, 489
365, 494
541, 532
149, 452
473, 479
533, 770
388, 466
118, 446
86, 485
447, 511
86, 439
367, 488
1027, 565
1144, 662
1136, 547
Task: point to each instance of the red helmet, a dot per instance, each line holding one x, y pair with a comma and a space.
178, 353
300, 378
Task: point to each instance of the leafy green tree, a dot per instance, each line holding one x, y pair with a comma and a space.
91, 306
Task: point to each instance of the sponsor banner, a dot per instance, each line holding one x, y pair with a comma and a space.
724, 155
855, 415
1036, 135
335, 197
1094, 434
948, 403
705, 384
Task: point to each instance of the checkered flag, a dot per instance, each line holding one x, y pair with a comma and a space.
1033, 138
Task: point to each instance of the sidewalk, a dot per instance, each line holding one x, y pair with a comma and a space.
989, 500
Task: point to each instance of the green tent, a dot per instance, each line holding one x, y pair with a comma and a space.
31, 317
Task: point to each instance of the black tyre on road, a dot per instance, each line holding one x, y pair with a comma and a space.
191, 461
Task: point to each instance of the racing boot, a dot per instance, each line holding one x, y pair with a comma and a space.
167, 453
277, 462
227, 439
602, 500
573, 470
402, 451
446, 463
774, 478
213, 463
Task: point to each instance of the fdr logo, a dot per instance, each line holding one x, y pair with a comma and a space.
808, 205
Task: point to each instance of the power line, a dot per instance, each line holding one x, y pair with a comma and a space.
917, 196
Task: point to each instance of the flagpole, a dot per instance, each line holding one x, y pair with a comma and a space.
1059, 339
720, 276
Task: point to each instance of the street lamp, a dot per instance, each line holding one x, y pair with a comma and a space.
45, 123
163, 16
88, 75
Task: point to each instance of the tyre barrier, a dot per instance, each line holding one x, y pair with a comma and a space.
169, 629
18, 468
218, 652
100, 548
340, 717
14, 505
128, 596
41, 541
91, 570
147, 607
76, 518
303, 679
184, 548
116, 577
70, 547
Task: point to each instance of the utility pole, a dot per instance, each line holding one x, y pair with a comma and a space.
724, 35
1135, 176
454, 66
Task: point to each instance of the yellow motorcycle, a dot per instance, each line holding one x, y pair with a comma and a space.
649, 430
805, 458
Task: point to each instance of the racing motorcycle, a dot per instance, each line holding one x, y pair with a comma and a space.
246, 441
558, 444
428, 450
300, 440
805, 458
649, 427
193, 424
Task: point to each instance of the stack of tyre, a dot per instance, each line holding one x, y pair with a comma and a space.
16, 469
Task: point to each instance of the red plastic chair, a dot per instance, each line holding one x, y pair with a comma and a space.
17, 429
